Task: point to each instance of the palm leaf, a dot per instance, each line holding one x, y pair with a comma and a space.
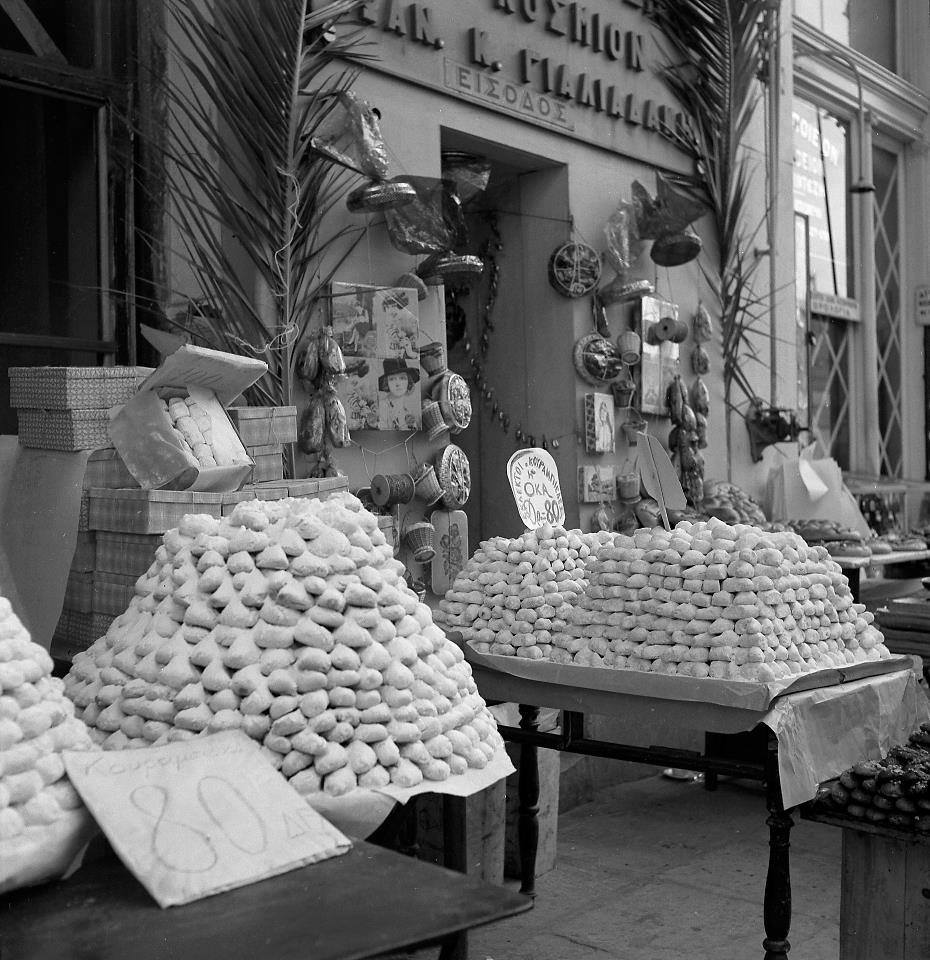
715, 51
249, 84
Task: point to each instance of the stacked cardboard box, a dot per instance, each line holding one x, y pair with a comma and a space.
81, 622
67, 408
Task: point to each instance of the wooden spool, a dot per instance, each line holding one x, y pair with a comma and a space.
388, 489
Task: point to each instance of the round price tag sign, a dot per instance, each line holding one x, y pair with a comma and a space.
534, 480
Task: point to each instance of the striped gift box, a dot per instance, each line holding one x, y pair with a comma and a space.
73, 388
84, 514
105, 468
127, 553
147, 511
79, 591
85, 551
112, 592
262, 426
84, 429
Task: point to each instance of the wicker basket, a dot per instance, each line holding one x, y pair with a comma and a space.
73, 388
426, 484
419, 538
434, 423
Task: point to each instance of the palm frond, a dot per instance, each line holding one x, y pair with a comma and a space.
715, 52
249, 84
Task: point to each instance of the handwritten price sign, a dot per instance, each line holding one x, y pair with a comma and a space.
534, 480
199, 816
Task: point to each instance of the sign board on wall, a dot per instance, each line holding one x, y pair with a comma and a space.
821, 195
922, 304
585, 70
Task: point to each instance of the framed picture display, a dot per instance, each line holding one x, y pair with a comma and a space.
599, 423
596, 483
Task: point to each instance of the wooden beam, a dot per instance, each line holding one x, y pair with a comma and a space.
29, 25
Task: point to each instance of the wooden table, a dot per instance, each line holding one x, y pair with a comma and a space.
368, 902
734, 747
853, 566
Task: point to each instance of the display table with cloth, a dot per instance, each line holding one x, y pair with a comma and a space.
365, 903
853, 566
792, 736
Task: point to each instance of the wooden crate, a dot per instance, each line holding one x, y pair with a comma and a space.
147, 511
884, 909
262, 426
112, 593
105, 468
130, 554
85, 551
267, 462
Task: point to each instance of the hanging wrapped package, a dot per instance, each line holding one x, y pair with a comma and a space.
624, 247
469, 173
351, 136
432, 223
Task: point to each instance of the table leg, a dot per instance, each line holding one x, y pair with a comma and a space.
408, 834
854, 577
454, 947
528, 809
777, 904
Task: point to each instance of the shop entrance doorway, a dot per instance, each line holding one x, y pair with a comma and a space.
498, 326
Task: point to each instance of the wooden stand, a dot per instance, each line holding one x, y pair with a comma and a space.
885, 891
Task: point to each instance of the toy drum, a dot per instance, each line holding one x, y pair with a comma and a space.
419, 538
426, 484
388, 489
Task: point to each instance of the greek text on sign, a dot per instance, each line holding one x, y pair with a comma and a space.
506, 95
534, 480
199, 816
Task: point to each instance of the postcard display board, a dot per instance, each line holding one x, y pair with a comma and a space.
381, 333
397, 382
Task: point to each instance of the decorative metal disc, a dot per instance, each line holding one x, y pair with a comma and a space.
454, 477
450, 266
454, 398
574, 269
597, 360
371, 197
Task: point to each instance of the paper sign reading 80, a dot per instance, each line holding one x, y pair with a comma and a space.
534, 480
199, 816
